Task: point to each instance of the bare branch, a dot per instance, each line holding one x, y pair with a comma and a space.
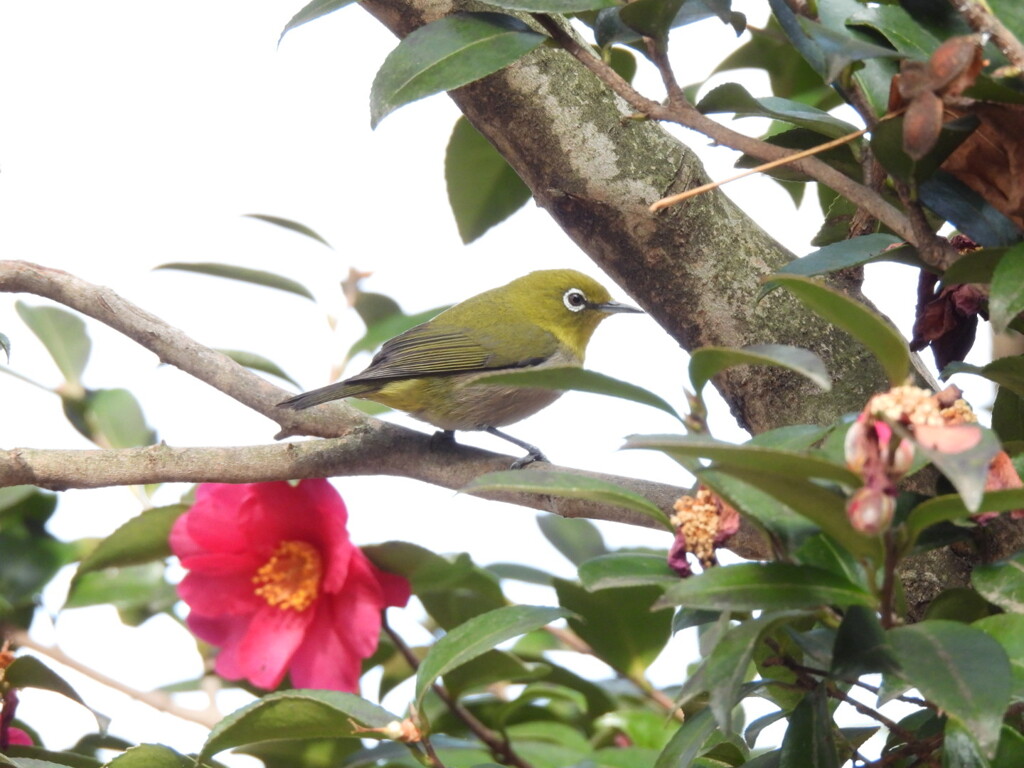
981, 19
356, 444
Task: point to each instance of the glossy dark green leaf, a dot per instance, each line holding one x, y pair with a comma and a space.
839, 48
288, 224
622, 61
242, 274
298, 714
791, 464
1011, 749
794, 437
566, 485
707, 362
903, 32
974, 267
142, 539
63, 334
654, 18
861, 647
519, 572
869, 328
1006, 297
810, 741
579, 380
968, 211
30, 672
688, 742
490, 668
1008, 415
258, 363
446, 54
311, 11
958, 604
764, 586
554, 6
1007, 372
835, 256
452, 589
618, 624
116, 420
479, 635
577, 539
732, 97
18, 761
887, 144
1002, 583
1008, 630
483, 190
626, 569
138, 592
959, 668
939, 509
151, 756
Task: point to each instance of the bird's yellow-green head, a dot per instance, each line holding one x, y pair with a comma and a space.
566, 303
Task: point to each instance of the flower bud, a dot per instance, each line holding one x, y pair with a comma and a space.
871, 510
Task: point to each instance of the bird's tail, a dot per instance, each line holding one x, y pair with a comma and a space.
336, 391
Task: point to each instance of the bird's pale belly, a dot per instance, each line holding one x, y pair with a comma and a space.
455, 403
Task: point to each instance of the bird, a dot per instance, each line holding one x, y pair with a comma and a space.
544, 319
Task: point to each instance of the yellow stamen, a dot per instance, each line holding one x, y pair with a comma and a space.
290, 579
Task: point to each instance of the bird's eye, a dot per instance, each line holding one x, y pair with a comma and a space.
574, 300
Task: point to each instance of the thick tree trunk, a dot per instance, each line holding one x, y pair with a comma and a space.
696, 267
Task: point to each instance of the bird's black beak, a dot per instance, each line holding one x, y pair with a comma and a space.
613, 307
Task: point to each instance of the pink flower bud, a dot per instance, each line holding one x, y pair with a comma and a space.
870, 510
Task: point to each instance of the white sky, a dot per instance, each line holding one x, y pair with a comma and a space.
134, 134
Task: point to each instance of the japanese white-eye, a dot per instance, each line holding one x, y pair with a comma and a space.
544, 319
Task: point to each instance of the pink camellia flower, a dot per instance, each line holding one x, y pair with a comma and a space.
17, 737
274, 581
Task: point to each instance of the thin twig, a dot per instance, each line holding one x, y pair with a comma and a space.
499, 746
788, 160
981, 20
155, 699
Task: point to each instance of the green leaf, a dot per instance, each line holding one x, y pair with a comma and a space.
809, 741
116, 420
554, 6
477, 636
1011, 747
836, 256
619, 624
974, 267
577, 539
311, 11
483, 190
5, 345
707, 362
566, 485
579, 380
887, 144
63, 334
138, 591
142, 539
626, 569
884, 341
258, 363
654, 18
903, 32
243, 274
960, 669
1006, 297
1002, 583
1007, 372
30, 672
1008, 630
940, 509
968, 211
150, 756
288, 224
446, 54
298, 714
838, 49
764, 586
732, 97
861, 647
688, 742
966, 469
789, 464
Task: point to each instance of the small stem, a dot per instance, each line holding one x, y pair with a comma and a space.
159, 701
498, 745
888, 616
982, 20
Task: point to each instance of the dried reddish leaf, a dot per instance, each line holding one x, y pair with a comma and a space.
948, 323
991, 160
955, 64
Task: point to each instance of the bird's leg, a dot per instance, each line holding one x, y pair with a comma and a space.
532, 452
442, 438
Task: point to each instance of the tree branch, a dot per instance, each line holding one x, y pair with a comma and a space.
355, 444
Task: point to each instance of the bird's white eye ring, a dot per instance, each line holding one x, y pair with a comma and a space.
574, 300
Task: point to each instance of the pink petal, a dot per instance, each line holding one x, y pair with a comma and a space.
270, 641
212, 595
326, 659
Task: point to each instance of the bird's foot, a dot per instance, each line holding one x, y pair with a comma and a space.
442, 439
528, 459
533, 453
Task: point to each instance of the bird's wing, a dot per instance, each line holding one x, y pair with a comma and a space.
427, 350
